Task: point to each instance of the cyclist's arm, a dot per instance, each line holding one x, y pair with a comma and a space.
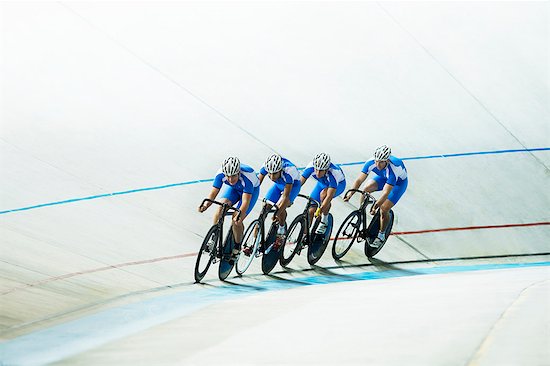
360, 179
285, 196
212, 196
261, 178
244, 206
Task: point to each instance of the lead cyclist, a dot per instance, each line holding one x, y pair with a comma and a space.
390, 177
243, 187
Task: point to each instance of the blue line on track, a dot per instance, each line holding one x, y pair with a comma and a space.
492, 152
69, 339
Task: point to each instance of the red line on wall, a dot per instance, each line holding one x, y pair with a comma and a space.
470, 228
153, 260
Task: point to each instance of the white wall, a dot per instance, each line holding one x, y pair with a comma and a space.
107, 97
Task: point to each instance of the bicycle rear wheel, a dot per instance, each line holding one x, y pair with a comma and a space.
226, 262
319, 242
206, 255
293, 240
272, 254
373, 231
251, 243
346, 235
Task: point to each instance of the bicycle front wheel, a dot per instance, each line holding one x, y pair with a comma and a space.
251, 244
206, 253
293, 240
346, 235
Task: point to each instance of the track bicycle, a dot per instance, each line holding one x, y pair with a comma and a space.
256, 243
299, 236
355, 229
214, 249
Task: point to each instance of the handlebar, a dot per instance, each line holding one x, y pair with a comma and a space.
274, 208
226, 208
310, 200
367, 195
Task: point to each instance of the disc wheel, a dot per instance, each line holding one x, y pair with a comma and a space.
206, 255
346, 235
272, 254
226, 263
319, 242
293, 240
372, 251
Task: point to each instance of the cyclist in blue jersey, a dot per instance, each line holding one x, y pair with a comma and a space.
285, 190
331, 182
243, 187
390, 177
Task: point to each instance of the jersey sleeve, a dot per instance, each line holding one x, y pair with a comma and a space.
218, 181
263, 171
367, 167
288, 178
392, 179
307, 171
332, 183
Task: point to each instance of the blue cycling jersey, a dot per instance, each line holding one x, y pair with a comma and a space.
331, 179
248, 180
395, 172
288, 176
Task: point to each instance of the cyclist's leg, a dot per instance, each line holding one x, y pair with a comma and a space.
281, 215
394, 196
374, 184
238, 229
316, 195
229, 196
273, 195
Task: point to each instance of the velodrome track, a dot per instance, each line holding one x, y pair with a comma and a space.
115, 117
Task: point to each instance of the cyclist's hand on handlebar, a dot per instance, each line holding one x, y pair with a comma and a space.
373, 209
318, 212
204, 206
348, 196
237, 219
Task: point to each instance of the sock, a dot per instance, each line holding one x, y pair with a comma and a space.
324, 218
281, 229
381, 236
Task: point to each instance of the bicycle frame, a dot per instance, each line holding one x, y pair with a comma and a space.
226, 211
308, 221
368, 198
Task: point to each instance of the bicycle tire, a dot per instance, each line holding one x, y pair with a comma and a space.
205, 257
295, 238
319, 242
271, 256
371, 251
226, 264
345, 238
249, 241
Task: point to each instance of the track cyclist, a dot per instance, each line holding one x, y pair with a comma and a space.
331, 182
243, 187
390, 178
287, 185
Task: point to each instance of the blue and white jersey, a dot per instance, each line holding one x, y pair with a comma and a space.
395, 172
289, 174
331, 179
248, 180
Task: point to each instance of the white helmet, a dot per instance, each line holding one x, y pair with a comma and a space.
321, 161
382, 153
274, 164
231, 166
